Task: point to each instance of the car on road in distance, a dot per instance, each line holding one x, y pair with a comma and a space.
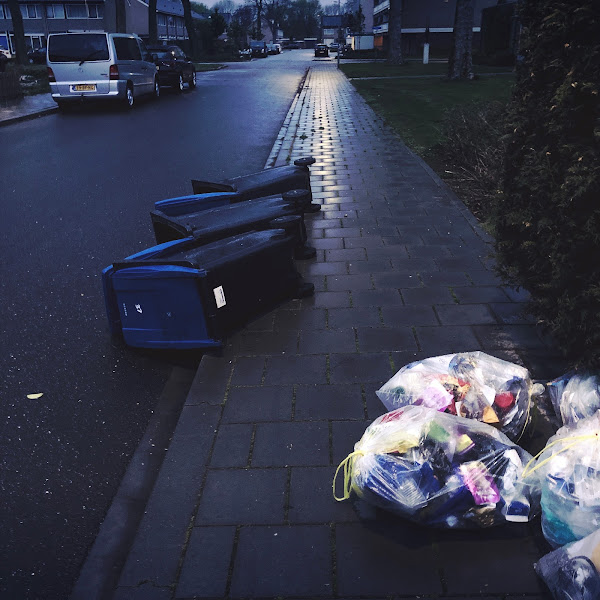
174, 68
245, 53
274, 48
87, 66
334, 47
321, 50
259, 49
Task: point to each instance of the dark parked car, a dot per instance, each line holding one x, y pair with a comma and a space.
174, 67
259, 49
321, 50
37, 57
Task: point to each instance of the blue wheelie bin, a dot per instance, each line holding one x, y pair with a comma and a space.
182, 295
208, 225
265, 183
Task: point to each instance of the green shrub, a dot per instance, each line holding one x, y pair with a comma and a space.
548, 222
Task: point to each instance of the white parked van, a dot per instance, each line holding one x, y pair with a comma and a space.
94, 65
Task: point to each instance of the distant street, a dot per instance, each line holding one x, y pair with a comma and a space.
76, 190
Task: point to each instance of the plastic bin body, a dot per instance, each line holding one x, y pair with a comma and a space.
174, 207
208, 225
182, 295
264, 183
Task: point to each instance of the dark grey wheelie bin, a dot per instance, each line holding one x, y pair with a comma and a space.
182, 295
230, 219
265, 183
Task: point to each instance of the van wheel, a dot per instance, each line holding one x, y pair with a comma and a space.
129, 99
156, 88
193, 80
180, 83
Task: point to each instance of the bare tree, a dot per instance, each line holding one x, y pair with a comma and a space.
460, 63
18, 31
275, 11
395, 33
152, 26
258, 7
189, 25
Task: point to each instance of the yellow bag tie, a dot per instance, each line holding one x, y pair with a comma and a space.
574, 439
347, 463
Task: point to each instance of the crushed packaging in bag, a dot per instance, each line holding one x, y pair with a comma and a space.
573, 571
574, 396
568, 470
474, 385
441, 470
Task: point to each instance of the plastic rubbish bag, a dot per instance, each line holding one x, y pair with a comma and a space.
569, 473
574, 397
441, 470
572, 572
469, 384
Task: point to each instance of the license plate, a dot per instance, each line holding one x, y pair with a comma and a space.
84, 87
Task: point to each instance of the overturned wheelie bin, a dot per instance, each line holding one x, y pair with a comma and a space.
182, 295
264, 183
210, 224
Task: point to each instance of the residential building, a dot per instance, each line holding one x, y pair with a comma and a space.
41, 17
422, 20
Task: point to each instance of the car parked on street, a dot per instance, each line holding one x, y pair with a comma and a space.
334, 47
175, 69
258, 49
321, 50
96, 65
274, 48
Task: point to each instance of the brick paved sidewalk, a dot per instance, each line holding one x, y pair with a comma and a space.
243, 504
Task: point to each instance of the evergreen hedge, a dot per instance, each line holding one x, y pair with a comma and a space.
548, 221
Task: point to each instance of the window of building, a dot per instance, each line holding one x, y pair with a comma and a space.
161, 19
31, 11
4, 15
95, 11
76, 11
55, 11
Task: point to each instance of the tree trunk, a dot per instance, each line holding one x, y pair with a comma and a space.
460, 63
18, 31
395, 33
189, 25
259, 6
152, 26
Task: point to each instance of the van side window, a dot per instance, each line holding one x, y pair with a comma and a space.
127, 48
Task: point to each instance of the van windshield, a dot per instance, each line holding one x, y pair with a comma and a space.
77, 47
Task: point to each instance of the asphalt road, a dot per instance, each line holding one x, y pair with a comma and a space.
76, 190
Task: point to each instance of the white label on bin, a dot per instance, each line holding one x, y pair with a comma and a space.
220, 296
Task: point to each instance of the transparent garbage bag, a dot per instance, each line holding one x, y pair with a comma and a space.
573, 571
439, 469
568, 469
574, 396
474, 385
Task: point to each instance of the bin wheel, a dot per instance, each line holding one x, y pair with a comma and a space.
156, 88
312, 208
180, 83
304, 290
304, 252
193, 80
305, 161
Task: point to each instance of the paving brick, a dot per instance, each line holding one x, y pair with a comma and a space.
511, 313
465, 314
145, 591
480, 294
427, 295
501, 565
328, 300
371, 266
408, 315
264, 342
342, 232
508, 336
243, 496
376, 298
291, 444
368, 560
350, 254
326, 244
345, 436
263, 323
232, 446
283, 561
205, 567
381, 339
396, 280
342, 401
414, 265
258, 403
336, 283
445, 278
310, 269
311, 497
482, 277
359, 368
296, 369
248, 370
324, 341
436, 341
345, 318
